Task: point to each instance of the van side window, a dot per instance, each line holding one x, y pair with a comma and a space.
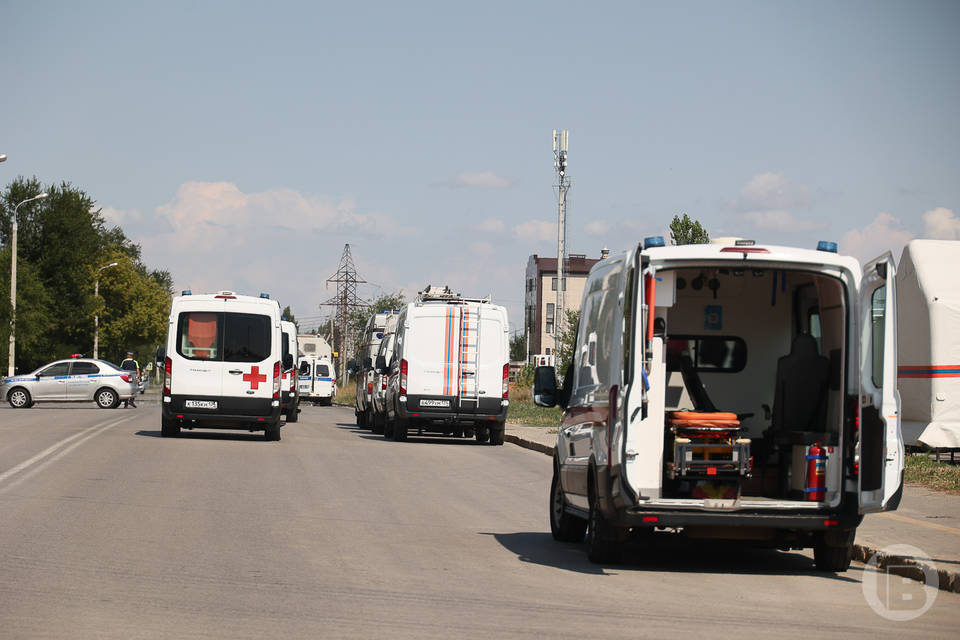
198, 335
878, 304
323, 370
709, 354
629, 324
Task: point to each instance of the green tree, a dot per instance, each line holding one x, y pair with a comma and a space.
287, 314
33, 316
358, 317
686, 231
567, 340
133, 309
518, 346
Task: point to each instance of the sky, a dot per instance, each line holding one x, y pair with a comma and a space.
243, 144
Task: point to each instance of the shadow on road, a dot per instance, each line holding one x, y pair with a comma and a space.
366, 434
673, 554
208, 435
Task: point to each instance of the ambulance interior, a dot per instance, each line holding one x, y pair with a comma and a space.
755, 359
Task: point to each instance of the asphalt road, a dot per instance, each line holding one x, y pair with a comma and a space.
110, 531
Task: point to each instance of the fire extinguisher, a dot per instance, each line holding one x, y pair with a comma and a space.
816, 473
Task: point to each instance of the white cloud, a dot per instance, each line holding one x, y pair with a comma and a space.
536, 230
884, 233
597, 227
781, 220
483, 249
480, 179
491, 225
941, 224
120, 217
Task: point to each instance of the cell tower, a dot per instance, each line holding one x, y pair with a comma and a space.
346, 299
560, 140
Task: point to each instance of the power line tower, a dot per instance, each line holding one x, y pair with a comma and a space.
560, 140
346, 280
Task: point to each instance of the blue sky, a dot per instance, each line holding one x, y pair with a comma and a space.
242, 144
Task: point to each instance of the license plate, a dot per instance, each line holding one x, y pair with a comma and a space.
200, 404
434, 403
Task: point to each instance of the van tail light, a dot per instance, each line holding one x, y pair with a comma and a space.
403, 377
167, 368
369, 388
383, 383
611, 422
506, 381
276, 380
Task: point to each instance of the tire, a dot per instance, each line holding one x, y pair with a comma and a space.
603, 547
361, 417
564, 526
19, 398
832, 559
401, 427
378, 422
482, 434
293, 414
368, 419
169, 428
496, 433
272, 433
106, 398
388, 427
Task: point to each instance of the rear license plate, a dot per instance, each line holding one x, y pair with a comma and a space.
434, 403
200, 404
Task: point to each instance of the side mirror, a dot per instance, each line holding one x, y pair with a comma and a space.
161, 355
545, 392
288, 361
381, 364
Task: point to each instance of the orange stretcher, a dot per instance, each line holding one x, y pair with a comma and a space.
708, 445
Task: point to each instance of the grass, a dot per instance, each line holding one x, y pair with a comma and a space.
923, 470
523, 411
346, 394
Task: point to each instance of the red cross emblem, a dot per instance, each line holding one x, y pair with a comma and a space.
254, 377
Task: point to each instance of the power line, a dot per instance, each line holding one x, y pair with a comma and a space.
346, 280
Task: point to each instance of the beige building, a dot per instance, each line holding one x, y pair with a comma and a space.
540, 298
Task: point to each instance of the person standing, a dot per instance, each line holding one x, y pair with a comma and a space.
130, 364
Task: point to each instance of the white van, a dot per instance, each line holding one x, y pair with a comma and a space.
369, 344
222, 364
733, 391
450, 368
289, 389
316, 372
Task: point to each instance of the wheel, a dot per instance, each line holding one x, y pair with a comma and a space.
603, 547
482, 434
368, 418
833, 559
388, 427
361, 417
564, 526
401, 428
496, 433
19, 398
293, 414
107, 398
378, 421
169, 428
272, 433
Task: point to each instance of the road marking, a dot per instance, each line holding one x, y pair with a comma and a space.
929, 525
88, 432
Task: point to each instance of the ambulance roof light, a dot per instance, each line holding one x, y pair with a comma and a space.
653, 241
186, 292
825, 245
265, 296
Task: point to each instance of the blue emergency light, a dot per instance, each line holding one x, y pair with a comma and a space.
653, 241
186, 292
825, 245
265, 296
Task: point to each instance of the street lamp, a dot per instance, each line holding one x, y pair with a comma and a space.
96, 317
13, 281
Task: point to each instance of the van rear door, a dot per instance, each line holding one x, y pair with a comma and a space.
881, 442
199, 340
249, 354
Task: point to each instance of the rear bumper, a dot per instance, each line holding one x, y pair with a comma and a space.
452, 409
245, 413
820, 521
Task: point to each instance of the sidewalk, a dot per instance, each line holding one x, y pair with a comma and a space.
928, 520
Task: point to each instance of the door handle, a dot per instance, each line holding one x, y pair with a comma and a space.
235, 372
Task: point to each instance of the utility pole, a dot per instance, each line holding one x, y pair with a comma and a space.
560, 140
346, 298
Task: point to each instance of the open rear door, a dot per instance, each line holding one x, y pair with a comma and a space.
881, 442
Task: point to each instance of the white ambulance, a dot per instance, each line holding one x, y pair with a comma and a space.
222, 364
451, 364
316, 372
729, 390
289, 389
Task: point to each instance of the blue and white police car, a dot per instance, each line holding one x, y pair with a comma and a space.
71, 380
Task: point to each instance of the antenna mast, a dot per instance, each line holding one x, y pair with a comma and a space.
560, 140
347, 280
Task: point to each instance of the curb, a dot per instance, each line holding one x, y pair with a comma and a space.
903, 566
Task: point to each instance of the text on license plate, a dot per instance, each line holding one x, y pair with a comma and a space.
200, 404
434, 403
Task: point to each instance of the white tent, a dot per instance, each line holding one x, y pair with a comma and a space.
928, 334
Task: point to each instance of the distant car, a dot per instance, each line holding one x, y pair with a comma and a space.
71, 380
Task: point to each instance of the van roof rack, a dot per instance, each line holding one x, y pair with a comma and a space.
433, 293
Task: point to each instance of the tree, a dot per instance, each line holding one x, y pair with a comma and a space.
358, 317
687, 231
518, 346
567, 341
287, 314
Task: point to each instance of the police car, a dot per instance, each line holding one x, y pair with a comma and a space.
71, 380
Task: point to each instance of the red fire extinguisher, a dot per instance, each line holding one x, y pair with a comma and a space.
816, 473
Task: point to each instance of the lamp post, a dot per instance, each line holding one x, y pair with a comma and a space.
13, 281
96, 317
